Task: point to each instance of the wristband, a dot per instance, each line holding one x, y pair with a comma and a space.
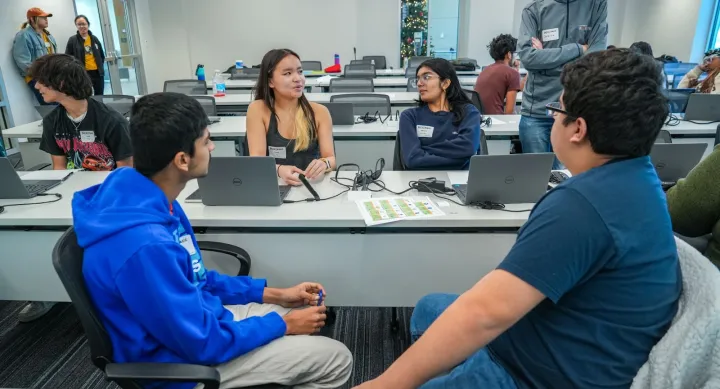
328, 168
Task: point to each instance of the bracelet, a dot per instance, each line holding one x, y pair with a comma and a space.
278, 170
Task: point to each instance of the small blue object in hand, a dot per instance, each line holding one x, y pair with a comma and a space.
320, 298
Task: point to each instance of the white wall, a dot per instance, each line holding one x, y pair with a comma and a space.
12, 16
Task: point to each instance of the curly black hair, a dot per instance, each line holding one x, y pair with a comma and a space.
62, 73
501, 45
618, 94
642, 48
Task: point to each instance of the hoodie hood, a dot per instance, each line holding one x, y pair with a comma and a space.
125, 200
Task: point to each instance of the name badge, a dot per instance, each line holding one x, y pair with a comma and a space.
551, 35
87, 136
47, 44
424, 131
187, 243
277, 152
584, 28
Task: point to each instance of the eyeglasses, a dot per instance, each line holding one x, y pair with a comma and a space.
556, 108
425, 77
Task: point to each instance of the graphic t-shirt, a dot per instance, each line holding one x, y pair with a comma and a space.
93, 142
90, 63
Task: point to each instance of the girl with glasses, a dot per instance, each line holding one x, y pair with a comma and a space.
711, 66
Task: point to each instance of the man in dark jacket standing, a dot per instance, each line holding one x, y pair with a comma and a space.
87, 48
553, 33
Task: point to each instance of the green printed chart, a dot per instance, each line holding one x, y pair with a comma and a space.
390, 209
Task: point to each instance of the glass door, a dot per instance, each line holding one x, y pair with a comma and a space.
122, 47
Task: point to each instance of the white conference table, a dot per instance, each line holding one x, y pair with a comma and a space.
389, 265
362, 144
379, 82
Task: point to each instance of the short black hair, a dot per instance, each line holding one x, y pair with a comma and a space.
642, 48
501, 45
62, 73
83, 17
162, 125
618, 94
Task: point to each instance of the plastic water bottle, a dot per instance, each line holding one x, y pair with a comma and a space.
218, 84
200, 72
337, 59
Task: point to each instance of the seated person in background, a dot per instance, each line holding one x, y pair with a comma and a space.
146, 277
499, 83
711, 66
583, 311
694, 204
283, 124
443, 132
641, 47
82, 133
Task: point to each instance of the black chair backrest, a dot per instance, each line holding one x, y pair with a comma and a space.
363, 70
311, 65
365, 103
362, 85
411, 72
120, 103
380, 61
474, 99
416, 61
186, 87
360, 62
67, 258
398, 164
412, 85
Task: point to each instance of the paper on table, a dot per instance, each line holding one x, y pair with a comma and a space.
37, 175
498, 121
390, 209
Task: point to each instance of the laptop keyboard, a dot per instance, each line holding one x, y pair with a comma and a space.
38, 187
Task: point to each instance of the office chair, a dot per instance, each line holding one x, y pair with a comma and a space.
664, 137
208, 104
245, 74
186, 87
678, 99
120, 103
67, 257
412, 84
474, 99
411, 72
380, 61
415, 62
311, 65
398, 165
365, 103
362, 85
362, 70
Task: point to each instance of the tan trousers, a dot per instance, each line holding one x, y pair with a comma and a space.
300, 361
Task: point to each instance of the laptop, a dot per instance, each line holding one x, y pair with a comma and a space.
674, 161
506, 179
15, 188
240, 181
703, 107
341, 113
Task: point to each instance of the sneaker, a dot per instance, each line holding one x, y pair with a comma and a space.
34, 310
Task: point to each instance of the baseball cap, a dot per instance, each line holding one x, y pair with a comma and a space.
35, 12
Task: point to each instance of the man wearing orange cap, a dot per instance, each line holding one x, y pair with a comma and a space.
31, 42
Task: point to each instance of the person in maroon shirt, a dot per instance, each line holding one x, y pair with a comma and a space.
499, 83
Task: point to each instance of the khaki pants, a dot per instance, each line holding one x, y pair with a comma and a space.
300, 361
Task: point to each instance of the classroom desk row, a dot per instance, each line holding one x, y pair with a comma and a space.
324, 83
324, 241
385, 73
361, 143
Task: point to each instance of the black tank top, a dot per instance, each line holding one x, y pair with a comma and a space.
283, 149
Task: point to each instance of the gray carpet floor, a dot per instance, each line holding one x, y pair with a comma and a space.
52, 352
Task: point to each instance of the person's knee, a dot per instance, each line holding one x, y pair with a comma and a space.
427, 310
336, 356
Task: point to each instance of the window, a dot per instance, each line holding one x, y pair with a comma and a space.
714, 39
429, 28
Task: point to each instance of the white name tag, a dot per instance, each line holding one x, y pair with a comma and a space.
87, 136
277, 152
424, 131
584, 28
187, 243
551, 35
47, 44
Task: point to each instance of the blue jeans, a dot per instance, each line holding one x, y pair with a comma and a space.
535, 136
478, 371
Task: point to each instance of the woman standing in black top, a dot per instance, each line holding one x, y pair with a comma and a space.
87, 48
283, 124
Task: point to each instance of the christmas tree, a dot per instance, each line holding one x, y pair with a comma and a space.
414, 19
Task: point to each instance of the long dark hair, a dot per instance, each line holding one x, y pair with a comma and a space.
456, 96
263, 92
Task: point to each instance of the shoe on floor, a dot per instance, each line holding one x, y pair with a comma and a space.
34, 310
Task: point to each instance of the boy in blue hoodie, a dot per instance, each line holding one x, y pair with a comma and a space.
146, 276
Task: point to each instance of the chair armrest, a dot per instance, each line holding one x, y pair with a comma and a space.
38, 167
241, 255
168, 372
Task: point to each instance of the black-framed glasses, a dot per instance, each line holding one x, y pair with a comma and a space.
554, 108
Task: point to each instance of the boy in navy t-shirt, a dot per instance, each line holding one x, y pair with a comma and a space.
593, 281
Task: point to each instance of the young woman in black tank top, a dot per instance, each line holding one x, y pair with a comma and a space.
283, 124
